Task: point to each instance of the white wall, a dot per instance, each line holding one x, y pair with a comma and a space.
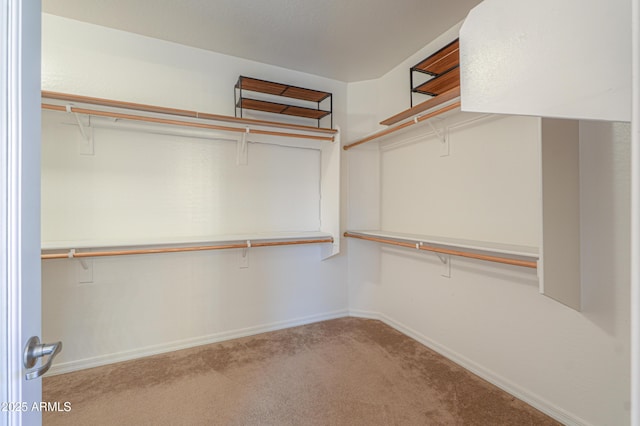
489, 317
90, 60
141, 186
484, 189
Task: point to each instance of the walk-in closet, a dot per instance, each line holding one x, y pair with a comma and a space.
310, 213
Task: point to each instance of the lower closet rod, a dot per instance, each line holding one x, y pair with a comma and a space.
497, 259
73, 254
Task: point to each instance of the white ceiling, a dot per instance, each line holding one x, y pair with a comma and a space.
347, 40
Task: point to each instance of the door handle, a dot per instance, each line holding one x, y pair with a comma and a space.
35, 350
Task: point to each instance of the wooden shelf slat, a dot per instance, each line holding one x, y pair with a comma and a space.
271, 88
273, 107
305, 112
443, 60
421, 107
440, 84
305, 94
255, 85
265, 106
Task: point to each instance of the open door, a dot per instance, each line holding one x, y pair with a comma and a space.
20, 307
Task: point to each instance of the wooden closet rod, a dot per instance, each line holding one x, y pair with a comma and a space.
497, 259
179, 112
181, 123
403, 125
73, 254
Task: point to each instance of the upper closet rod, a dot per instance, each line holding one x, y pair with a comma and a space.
403, 125
180, 122
246, 244
420, 246
178, 112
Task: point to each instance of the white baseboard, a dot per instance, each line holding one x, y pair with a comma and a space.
98, 361
532, 399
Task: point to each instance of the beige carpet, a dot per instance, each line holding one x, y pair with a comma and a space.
347, 371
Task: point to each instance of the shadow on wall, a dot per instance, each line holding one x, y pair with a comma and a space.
605, 224
512, 274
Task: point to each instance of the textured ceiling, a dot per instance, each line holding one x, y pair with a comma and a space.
348, 40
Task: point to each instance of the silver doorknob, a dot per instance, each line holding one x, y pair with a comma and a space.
35, 350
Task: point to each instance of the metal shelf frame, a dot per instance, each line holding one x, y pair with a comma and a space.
278, 91
441, 67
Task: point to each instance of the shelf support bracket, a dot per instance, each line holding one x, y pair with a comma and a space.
84, 271
84, 264
242, 153
72, 255
443, 136
243, 258
446, 262
444, 258
86, 144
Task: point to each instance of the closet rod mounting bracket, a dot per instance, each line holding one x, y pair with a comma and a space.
72, 255
86, 145
443, 257
242, 153
443, 136
243, 258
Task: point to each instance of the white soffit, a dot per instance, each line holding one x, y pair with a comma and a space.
549, 58
347, 40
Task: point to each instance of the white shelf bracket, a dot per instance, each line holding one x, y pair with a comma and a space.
86, 144
84, 272
445, 259
84, 264
243, 258
443, 136
242, 153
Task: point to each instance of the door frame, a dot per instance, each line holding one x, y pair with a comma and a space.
635, 214
20, 131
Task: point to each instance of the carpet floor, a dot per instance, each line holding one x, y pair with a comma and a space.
347, 371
